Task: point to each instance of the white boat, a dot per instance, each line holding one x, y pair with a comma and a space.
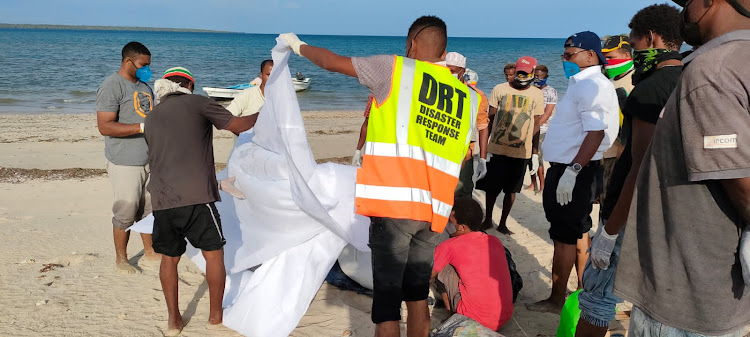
300, 84
222, 93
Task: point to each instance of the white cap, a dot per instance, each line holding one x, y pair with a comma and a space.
455, 59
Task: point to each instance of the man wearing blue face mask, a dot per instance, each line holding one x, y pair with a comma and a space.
122, 103
585, 125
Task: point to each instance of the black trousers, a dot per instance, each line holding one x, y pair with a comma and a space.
569, 222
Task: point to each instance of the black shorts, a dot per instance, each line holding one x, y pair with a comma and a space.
569, 222
200, 224
504, 174
402, 257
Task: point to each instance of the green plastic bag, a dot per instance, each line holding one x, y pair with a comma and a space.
569, 316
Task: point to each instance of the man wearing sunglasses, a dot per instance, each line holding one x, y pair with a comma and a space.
516, 106
585, 125
686, 270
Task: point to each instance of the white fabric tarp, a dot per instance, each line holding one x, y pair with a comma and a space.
294, 223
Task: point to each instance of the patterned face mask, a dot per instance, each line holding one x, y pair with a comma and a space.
617, 67
645, 61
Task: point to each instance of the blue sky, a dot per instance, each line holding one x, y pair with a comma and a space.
499, 18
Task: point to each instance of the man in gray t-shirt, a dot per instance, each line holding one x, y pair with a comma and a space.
122, 103
680, 265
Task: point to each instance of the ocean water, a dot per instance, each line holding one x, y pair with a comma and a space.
59, 71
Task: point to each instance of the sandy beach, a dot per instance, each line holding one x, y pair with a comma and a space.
56, 251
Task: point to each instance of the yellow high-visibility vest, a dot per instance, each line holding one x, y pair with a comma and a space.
416, 142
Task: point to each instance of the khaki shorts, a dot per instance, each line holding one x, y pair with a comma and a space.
132, 201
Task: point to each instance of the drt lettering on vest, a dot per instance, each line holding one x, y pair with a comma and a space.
439, 102
416, 142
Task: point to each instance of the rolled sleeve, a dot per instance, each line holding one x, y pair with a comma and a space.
592, 106
715, 126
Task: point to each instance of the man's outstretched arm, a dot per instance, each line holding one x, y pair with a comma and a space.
329, 60
321, 57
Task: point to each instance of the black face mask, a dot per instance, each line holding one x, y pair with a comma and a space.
691, 31
522, 84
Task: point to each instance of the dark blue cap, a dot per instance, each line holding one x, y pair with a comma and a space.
588, 41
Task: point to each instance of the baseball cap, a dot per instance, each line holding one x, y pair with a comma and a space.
589, 41
455, 59
526, 64
178, 71
680, 2
615, 42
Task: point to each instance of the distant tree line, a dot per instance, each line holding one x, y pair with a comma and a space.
147, 29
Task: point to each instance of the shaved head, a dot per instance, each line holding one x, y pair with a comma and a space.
431, 33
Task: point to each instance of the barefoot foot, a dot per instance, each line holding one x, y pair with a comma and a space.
486, 225
175, 327
125, 268
504, 230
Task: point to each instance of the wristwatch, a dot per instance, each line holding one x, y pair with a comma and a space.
576, 167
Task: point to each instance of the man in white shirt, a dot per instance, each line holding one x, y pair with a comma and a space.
585, 125
250, 100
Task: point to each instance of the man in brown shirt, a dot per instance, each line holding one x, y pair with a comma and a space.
179, 133
681, 268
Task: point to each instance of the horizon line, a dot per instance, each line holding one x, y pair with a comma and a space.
47, 26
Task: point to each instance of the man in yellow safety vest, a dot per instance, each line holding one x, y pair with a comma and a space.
419, 130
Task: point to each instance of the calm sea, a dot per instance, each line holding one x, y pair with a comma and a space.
59, 71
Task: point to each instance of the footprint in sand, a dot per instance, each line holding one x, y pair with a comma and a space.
75, 259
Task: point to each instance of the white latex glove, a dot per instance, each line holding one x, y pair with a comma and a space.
481, 169
227, 185
745, 255
565, 186
601, 247
534, 163
357, 158
293, 41
489, 156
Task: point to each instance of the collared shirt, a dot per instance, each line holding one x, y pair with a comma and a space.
590, 104
679, 252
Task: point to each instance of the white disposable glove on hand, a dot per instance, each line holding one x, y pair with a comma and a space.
745, 255
601, 248
534, 163
357, 158
481, 169
565, 186
227, 185
489, 156
293, 41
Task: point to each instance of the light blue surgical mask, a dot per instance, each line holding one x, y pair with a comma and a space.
570, 69
143, 73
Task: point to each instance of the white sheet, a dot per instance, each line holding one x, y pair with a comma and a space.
297, 217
